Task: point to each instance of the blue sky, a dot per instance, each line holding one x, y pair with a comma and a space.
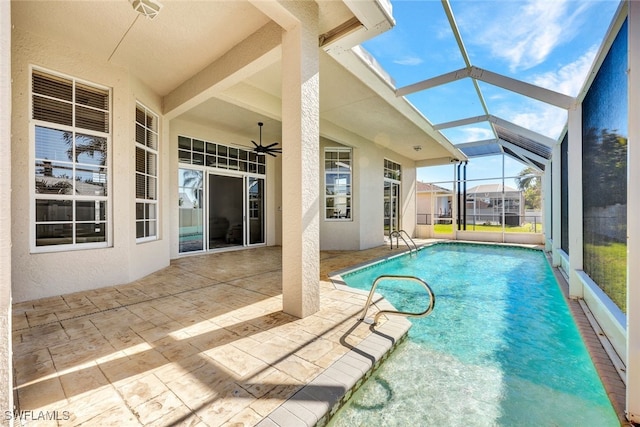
550, 43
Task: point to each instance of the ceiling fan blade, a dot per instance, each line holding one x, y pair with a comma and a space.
271, 145
276, 150
270, 153
254, 143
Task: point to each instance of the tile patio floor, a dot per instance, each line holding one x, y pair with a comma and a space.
203, 342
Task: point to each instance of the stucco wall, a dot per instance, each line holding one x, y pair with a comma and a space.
6, 377
38, 275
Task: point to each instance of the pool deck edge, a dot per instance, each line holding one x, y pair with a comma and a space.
320, 399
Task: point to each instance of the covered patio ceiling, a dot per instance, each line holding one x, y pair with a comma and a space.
186, 39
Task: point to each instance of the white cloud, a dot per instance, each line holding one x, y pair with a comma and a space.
471, 134
525, 33
409, 60
544, 119
570, 78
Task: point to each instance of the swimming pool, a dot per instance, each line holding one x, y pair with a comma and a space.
500, 347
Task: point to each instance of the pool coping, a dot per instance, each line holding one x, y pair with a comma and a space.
316, 402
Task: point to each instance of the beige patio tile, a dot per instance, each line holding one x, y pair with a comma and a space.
172, 371
19, 321
229, 401
157, 407
141, 390
29, 360
46, 394
317, 349
38, 318
138, 365
181, 416
298, 368
245, 418
213, 339
237, 362
265, 380
275, 349
93, 405
86, 380
159, 332
116, 416
123, 338
198, 387
26, 373
75, 352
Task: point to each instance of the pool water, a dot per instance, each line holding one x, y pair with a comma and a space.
499, 349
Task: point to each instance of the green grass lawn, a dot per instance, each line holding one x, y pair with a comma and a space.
607, 265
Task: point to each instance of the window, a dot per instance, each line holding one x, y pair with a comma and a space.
392, 170
70, 127
198, 152
337, 182
146, 174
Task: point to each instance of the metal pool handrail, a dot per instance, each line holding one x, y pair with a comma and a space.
432, 298
398, 234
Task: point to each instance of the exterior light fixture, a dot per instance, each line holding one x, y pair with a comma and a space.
147, 8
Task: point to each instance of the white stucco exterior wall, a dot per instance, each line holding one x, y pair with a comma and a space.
6, 376
46, 274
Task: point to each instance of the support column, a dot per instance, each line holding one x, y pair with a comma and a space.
6, 376
633, 211
548, 227
300, 163
556, 204
575, 200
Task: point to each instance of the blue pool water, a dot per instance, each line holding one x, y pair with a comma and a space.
499, 349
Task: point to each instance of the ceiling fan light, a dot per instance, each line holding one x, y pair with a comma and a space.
147, 8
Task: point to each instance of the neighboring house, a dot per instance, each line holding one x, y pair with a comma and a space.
485, 204
434, 203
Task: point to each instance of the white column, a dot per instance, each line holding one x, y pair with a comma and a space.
633, 225
300, 163
6, 377
556, 204
546, 205
575, 200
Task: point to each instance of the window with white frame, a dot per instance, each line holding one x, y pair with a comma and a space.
71, 135
392, 170
146, 173
337, 182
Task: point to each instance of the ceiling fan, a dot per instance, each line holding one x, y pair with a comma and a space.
266, 149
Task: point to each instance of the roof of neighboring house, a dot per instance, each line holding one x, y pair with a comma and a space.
423, 187
491, 188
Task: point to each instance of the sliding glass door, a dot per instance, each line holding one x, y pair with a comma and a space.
255, 227
191, 214
220, 210
391, 207
226, 211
